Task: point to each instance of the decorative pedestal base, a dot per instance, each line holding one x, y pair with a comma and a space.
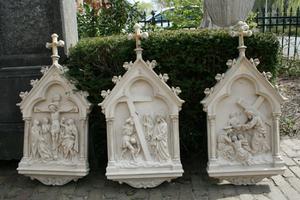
143, 177
53, 174
244, 175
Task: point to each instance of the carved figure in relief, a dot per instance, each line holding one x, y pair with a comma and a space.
161, 139
245, 143
69, 139
35, 134
241, 154
55, 127
224, 146
44, 141
257, 128
148, 127
55, 110
129, 140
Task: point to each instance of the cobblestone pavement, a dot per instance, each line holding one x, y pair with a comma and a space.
195, 184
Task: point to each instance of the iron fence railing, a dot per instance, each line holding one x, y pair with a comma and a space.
286, 25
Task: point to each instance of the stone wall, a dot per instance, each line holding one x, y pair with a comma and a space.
25, 27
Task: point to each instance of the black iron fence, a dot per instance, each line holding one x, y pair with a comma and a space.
155, 19
286, 25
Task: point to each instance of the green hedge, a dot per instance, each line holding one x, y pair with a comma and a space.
191, 58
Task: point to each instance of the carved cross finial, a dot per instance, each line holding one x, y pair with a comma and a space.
54, 46
241, 30
138, 36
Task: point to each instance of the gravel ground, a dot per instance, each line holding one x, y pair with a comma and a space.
290, 119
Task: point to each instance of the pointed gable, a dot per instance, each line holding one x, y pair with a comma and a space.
52, 76
141, 70
243, 67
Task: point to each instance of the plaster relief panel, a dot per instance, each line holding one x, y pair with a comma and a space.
142, 125
56, 124
243, 111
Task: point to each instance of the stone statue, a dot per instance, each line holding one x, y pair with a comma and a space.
257, 129
44, 141
51, 152
55, 127
69, 141
35, 135
225, 149
241, 154
161, 139
129, 140
225, 13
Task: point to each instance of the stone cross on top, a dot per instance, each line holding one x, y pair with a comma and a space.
138, 36
241, 30
54, 45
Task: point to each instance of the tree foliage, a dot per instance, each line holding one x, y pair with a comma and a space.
101, 20
186, 13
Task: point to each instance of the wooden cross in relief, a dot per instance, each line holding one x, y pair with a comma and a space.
139, 128
54, 45
241, 30
255, 107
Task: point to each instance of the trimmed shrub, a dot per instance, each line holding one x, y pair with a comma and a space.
191, 58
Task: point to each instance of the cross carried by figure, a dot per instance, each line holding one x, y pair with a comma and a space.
54, 45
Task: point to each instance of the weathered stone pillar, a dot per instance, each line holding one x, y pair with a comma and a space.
26, 147
110, 140
213, 145
175, 128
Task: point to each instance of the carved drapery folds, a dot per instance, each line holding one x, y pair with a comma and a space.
55, 138
242, 118
142, 124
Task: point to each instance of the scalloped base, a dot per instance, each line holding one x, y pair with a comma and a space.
145, 183
244, 175
54, 180
53, 174
144, 177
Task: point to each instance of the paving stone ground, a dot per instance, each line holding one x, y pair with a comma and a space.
195, 184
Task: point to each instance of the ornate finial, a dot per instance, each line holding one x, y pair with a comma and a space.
54, 45
116, 79
23, 94
267, 75
127, 65
164, 77
105, 93
219, 77
138, 36
241, 30
34, 82
151, 64
176, 90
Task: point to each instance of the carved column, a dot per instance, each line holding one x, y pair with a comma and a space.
86, 124
213, 146
82, 141
276, 135
176, 143
110, 140
26, 146
208, 139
